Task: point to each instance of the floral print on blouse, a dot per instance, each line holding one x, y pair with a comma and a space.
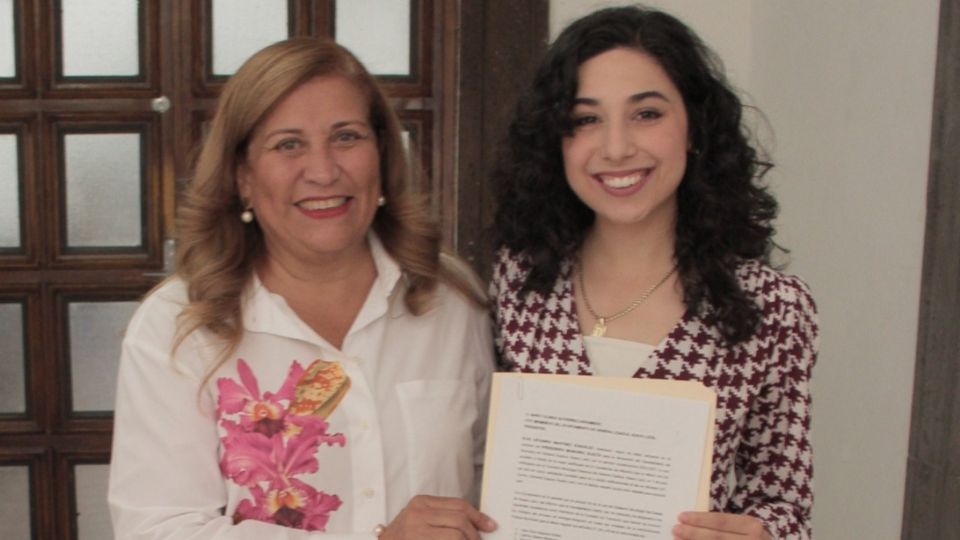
270, 439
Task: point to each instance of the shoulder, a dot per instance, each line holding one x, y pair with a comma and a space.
151, 336
453, 322
457, 298
510, 270
160, 307
766, 284
783, 299
156, 320
449, 302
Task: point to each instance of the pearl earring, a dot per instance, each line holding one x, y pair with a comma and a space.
382, 201
247, 215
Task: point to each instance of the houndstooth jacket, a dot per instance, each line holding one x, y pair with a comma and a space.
762, 384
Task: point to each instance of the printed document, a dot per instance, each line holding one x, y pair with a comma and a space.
595, 458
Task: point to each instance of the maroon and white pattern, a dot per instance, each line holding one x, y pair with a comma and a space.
762, 384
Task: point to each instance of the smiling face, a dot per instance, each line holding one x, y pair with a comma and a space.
312, 171
627, 152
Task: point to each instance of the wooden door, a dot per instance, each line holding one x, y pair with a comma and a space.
102, 105
82, 174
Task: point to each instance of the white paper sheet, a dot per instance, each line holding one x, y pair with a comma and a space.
571, 461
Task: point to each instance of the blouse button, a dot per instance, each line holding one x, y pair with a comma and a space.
369, 493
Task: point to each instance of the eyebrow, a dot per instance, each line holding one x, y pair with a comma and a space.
282, 131
635, 98
345, 123
298, 131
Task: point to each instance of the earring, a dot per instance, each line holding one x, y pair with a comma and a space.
382, 201
247, 215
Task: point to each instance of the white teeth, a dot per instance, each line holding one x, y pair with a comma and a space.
322, 204
620, 182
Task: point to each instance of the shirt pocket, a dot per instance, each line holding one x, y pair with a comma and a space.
438, 419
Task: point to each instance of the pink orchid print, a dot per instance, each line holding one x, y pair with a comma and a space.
260, 413
251, 457
266, 446
298, 505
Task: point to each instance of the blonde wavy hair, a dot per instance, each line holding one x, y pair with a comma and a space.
217, 253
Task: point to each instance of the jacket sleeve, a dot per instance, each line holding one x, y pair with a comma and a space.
165, 479
775, 460
499, 292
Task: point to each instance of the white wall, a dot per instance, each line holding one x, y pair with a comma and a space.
847, 86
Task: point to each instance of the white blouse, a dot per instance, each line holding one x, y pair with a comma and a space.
292, 438
611, 357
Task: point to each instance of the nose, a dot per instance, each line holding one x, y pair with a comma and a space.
618, 143
320, 165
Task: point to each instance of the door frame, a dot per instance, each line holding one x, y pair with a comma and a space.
932, 490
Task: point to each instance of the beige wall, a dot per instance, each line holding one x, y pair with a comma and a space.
847, 87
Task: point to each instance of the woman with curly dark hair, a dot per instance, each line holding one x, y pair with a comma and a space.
634, 240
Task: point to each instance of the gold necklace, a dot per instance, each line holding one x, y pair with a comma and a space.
600, 327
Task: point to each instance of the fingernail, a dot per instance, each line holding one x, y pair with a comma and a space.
490, 525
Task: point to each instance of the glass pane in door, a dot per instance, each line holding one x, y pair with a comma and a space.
243, 28
12, 380
8, 45
9, 191
93, 514
100, 38
96, 331
377, 32
103, 189
15, 502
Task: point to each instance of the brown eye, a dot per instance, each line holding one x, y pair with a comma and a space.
346, 136
288, 145
584, 120
648, 114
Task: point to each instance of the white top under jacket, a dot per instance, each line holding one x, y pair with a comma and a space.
612, 357
188, 461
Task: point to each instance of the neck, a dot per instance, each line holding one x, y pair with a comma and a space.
283, 274
627, 250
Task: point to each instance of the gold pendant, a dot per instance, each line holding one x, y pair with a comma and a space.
600, 328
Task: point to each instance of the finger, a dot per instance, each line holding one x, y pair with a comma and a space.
424, 531
419, 522
718, 525
689, 532
724, 522
477, 518
444, 523
470, 522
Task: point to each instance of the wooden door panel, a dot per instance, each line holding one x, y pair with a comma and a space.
69, 32
23, 81
89, 323
54, 113
207, 15
19, 182
122, 246
58, 435
87, 516
14, 383
418, 125
24, 488
20, 371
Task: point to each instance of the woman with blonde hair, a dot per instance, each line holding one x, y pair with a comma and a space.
316, 368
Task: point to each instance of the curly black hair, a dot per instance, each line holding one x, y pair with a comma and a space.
724, 212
